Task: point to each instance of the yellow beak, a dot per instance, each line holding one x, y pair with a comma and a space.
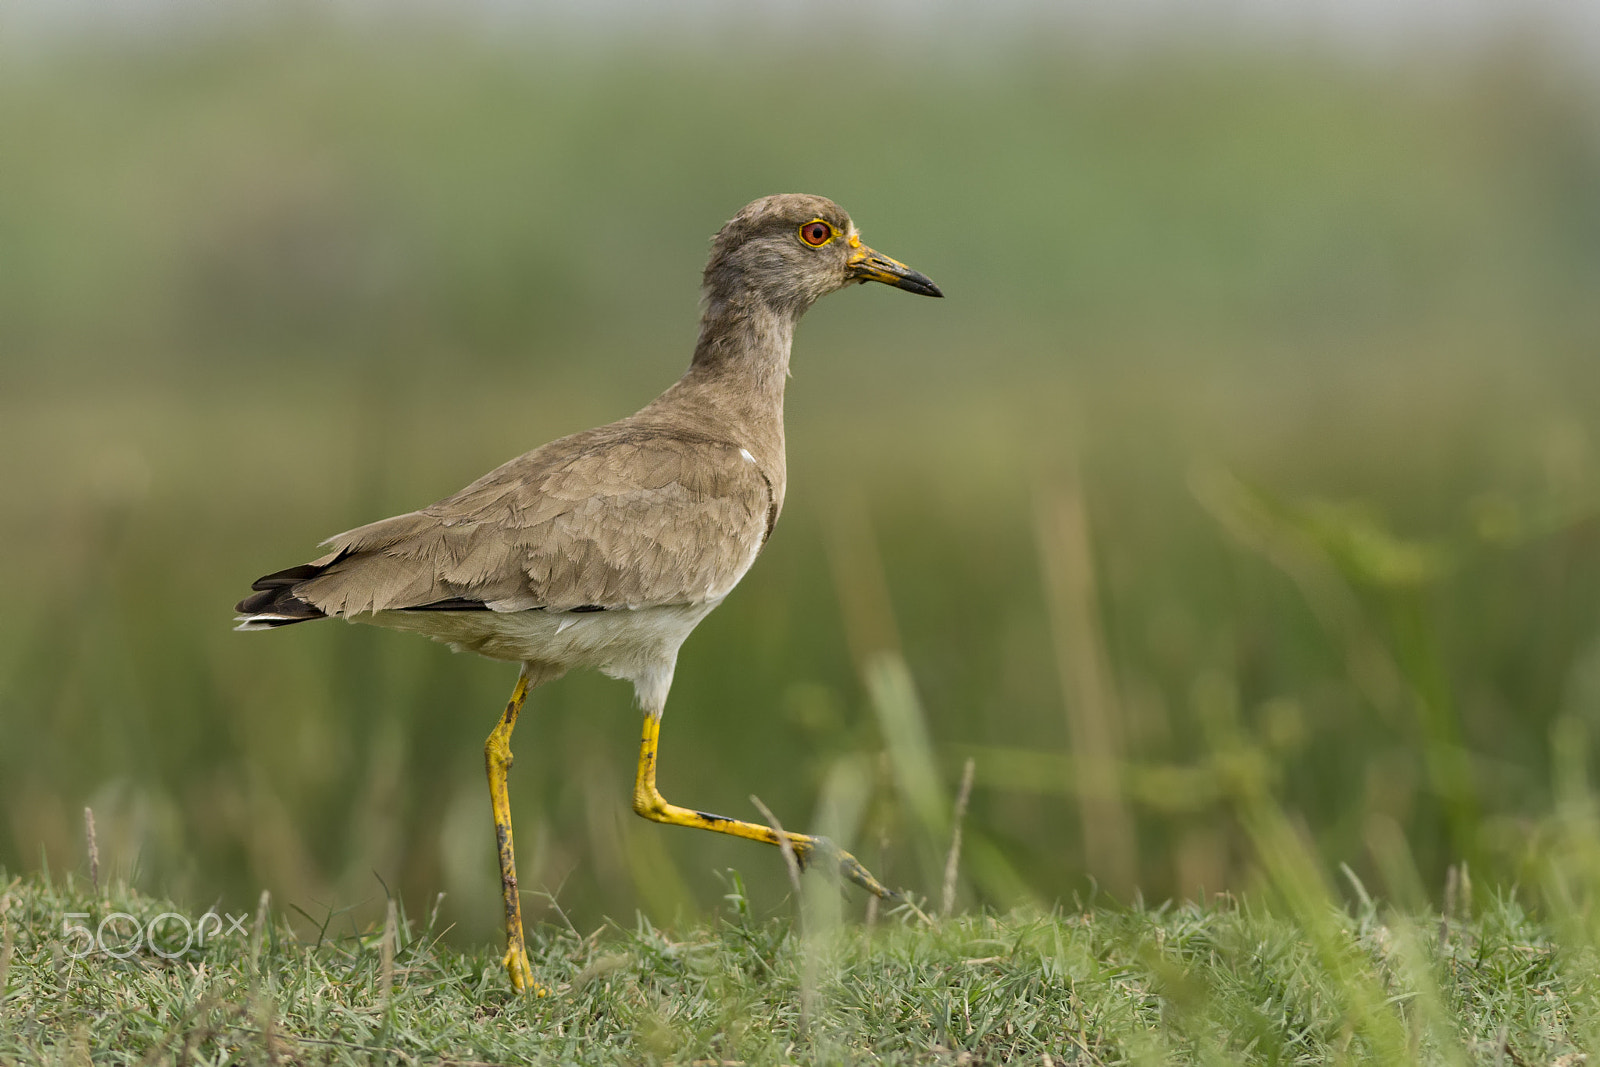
865, 265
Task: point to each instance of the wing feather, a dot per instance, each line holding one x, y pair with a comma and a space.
615, 517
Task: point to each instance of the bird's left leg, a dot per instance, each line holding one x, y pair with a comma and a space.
497, 760
648, 801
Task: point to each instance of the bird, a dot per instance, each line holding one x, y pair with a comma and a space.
604, 549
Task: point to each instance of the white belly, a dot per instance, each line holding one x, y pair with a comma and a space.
622, 642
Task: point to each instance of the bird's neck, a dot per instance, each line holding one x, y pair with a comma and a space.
740, 367
744, 344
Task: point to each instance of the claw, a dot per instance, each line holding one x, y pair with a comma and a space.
520, 971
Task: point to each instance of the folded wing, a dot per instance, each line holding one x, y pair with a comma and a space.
617, 517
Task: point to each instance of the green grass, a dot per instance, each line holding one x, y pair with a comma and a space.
1221, 982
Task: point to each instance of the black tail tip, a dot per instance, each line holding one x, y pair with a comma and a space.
273, 603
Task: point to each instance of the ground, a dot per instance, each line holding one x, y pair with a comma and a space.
1221, 982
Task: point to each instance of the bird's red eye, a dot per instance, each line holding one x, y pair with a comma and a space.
816, 233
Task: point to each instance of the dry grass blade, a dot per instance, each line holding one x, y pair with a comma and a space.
93, 847
1452, 875
391, 928
259, 929
789, 858
6, 945
807, 984
952, 863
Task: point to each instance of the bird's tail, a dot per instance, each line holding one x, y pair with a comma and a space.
274, 603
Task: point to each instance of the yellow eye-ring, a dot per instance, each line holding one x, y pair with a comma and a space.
816, 233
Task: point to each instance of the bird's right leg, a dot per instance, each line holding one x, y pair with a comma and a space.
497, 758
648, 801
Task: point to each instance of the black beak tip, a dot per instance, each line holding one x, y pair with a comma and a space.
920, 284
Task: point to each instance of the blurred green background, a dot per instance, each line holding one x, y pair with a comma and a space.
1254, 442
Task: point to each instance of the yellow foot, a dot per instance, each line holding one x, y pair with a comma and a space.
821, 849
521, 972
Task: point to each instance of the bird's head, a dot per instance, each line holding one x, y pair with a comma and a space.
788, 250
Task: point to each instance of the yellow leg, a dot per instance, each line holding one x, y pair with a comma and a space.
648, 801
497, 758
